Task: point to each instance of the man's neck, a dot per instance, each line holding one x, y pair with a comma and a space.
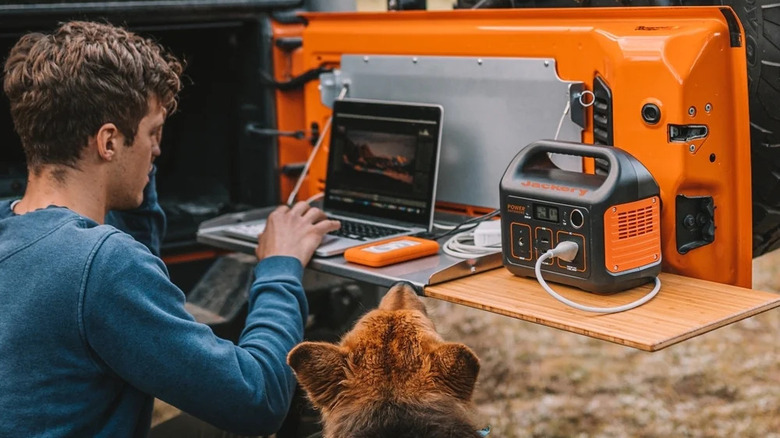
81, 192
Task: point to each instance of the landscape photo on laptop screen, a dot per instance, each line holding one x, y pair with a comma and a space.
381, 161
383, 166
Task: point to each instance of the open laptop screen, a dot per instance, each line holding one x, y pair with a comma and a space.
383, 160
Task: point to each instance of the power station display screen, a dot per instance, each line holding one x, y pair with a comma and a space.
545, 213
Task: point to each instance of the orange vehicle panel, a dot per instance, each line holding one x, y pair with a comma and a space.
290, 115
681, 59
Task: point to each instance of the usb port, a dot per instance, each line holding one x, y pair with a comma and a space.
543, 243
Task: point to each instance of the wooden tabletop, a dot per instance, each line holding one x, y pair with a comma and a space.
685, 307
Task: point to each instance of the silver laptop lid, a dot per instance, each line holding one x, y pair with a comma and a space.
384, 160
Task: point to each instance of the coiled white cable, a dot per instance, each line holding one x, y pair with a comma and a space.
567, 251
462, 246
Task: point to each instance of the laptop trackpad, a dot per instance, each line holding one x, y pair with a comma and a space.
335, 245
329, 238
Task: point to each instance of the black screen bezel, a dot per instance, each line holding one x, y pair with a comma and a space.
432, 114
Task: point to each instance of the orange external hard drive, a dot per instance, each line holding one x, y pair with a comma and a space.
387, 252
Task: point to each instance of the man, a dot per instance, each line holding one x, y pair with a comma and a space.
91, 327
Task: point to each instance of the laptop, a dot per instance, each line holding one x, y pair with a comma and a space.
381, 175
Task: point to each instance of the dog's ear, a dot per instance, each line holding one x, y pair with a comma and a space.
455, 369
319, 367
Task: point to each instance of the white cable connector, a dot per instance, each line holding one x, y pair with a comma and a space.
488, 233
567, 251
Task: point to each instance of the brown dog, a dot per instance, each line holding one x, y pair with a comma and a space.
392, 375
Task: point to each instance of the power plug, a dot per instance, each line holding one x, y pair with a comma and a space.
488, 233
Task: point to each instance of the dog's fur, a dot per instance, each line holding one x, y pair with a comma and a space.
392, 375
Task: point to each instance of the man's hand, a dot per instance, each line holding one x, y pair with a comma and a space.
294, 232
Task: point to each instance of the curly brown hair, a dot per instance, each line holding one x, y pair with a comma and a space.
65, 85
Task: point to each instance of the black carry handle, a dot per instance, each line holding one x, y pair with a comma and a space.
535, 153
532, 152
624, 170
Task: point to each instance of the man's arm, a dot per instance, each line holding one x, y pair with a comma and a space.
136, 324
147, 222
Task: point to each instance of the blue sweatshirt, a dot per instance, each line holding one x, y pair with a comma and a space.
91, 329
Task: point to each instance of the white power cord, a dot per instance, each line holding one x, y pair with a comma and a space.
294, 193
440, 226
567, 251
315, 197
560, 122
305, 170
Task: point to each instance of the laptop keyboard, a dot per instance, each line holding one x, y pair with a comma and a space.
349, 229
363, 231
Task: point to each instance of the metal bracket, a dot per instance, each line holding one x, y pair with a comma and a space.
493, 106
578, 102
577, 111
331, 86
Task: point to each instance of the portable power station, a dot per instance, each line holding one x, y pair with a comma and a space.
614, 218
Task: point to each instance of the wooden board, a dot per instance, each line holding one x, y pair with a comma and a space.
684, 307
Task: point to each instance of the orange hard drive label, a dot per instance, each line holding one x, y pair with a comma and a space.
395, 250
632, 235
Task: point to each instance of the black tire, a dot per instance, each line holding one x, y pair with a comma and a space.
761, 21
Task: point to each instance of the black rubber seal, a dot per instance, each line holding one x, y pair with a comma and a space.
734, 33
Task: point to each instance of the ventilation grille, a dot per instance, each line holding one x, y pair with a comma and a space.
635, 223
602, 121
632, 235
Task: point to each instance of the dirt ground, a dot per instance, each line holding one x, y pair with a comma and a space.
537, 381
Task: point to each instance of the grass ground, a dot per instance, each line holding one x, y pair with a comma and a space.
537, 381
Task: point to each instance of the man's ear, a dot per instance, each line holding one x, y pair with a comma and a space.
320, 369
455, 369
107, 139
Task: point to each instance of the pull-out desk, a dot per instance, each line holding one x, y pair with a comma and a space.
684, 308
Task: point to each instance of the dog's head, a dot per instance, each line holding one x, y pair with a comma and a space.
391, 375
